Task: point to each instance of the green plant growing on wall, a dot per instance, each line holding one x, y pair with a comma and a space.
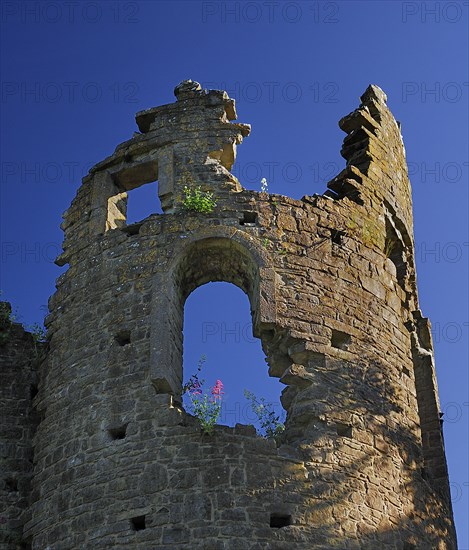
6, 317
39, 334
197, 200
204, 405
194, 379
265, 243
270, 424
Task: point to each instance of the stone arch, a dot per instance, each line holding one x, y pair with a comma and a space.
218, 255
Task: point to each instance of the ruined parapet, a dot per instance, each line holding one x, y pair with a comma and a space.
373, 148
331, 283
18, 420
182, 144
376, 177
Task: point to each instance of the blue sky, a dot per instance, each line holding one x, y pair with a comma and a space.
74, 74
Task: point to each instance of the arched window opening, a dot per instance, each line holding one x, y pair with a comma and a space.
142, 202
223, 257
218, 326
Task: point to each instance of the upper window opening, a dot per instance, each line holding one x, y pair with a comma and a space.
142, 202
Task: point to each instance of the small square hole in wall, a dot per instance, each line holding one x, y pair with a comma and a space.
337, 236
123, 337
344, 430
280, 520
118, 433
406, 371
340, 340
138, 523
133, 229
249, 218
11, 485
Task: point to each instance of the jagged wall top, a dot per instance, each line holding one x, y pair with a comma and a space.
192, 142
330, 280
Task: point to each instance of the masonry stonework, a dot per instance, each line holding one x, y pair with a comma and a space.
331, 282
18, 420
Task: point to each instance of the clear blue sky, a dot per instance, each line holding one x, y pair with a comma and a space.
75, 73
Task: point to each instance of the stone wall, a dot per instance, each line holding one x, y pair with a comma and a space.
18, 386
331, 282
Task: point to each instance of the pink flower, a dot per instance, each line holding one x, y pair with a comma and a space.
217, 390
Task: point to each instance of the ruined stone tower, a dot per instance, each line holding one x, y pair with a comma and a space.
331, 282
